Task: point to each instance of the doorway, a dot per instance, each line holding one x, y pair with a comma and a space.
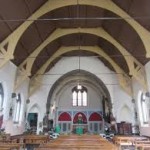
32, 119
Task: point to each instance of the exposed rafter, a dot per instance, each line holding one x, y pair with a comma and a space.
124, 79
136, 68
7, 47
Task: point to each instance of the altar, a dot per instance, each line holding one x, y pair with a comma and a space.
80, 128
78, 123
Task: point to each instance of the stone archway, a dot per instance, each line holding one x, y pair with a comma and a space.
56, 104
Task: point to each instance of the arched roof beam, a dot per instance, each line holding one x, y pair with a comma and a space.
136, 68
124, 79
7, 47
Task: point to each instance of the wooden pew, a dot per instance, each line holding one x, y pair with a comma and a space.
10, 146
6, 143
142, 144
35, 139
127, 140
75, 142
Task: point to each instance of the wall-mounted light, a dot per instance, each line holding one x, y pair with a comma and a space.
28, 101
147, 94
13, 95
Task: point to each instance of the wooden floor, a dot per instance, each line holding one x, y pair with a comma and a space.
78, 142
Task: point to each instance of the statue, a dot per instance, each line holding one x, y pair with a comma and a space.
45, 120
80, 119
79, 128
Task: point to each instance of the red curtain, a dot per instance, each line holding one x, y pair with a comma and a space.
95, 117
64, 117
75, 120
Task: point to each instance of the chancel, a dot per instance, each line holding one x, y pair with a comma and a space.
75, 71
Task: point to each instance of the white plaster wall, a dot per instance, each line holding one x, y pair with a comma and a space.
92, 65
94, 101
7, 77
147, 68
146, 130
19, 128
136, 89
39, 99
64, 66
122, 99
126, 114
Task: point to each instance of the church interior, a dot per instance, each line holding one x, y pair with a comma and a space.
74, 74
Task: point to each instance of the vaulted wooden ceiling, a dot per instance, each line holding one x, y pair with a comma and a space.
15, 13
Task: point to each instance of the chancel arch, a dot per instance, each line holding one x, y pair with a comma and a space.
60, 101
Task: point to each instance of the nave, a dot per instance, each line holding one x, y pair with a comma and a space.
74, 67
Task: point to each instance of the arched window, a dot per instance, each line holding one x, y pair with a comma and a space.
1, 97
144, 108
79, 96
17, 108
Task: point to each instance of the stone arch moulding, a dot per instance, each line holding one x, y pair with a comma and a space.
124, 80
13, 38
138, 72
65, 80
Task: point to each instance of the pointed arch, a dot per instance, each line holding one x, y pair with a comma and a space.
95, 117
84, 117
64, 117
126, 113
